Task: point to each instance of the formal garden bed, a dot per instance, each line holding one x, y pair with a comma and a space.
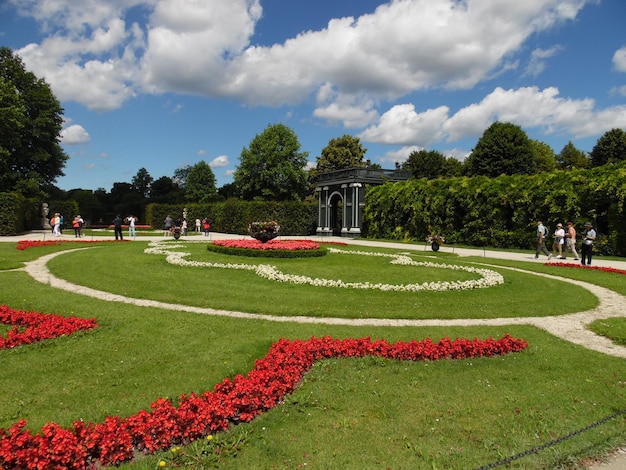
398, 412
231, 402
270, 249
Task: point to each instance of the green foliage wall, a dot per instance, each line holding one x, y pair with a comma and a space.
502, 211
234, 215
11, 213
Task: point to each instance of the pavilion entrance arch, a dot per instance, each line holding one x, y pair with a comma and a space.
341, 198
336, 208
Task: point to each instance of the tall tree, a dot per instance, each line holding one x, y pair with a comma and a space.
503, 149
544, 156
610, 148
30, 125
180, 176
272, 168
451, 167
201, 183
571, 158
425, 164
340, 153
166, 191
142, 182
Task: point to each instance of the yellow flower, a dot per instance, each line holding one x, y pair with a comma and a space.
209, 437
162, 463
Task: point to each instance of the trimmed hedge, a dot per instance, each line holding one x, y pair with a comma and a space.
234, 216
12, 207
502, 212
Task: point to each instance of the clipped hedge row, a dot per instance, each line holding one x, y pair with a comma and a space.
234, 216
12, 207
502, 212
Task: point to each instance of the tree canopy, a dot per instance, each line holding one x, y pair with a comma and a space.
30, 124
503, 149
272, 168
545, 159
432, 164
200, 184
571, 158
142, 182
610, 148
340, 153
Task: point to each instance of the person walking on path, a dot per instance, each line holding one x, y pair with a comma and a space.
559, 240
117, 227
589, 237
542, 233
207, 226
56, 224
168, 226
570, 238
77, 224
131, 226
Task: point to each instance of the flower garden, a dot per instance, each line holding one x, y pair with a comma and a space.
231, 402
278, 396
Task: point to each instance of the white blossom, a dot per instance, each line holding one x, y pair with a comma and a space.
488, 278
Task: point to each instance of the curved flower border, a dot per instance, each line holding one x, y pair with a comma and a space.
489, 278
25, 244
235, 401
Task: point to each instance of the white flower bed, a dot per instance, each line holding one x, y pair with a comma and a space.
488, 278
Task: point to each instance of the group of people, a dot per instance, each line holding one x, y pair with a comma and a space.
56, 221
77, 225
200, 225
565, 242
118, 223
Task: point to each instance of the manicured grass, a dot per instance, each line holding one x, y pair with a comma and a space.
349, 413
120, 271
613, 328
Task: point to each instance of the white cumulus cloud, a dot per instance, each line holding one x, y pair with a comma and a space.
219, 162
96, 55
619, 59
74, 135
528, 107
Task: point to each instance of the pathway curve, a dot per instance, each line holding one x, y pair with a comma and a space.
571, 327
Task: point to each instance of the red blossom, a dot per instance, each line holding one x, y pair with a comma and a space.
290, 245
25, 244
230, 402
582, 266
31, 327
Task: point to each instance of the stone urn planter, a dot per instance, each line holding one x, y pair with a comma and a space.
264, 231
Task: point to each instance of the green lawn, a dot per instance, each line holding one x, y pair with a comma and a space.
348, 413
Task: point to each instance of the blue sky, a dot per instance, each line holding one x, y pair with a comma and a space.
162, 84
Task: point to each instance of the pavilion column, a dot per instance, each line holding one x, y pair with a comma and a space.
355, 226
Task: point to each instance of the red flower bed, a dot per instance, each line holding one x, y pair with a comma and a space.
31, 327
230, 402
24, 244
595, 268
290, 245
